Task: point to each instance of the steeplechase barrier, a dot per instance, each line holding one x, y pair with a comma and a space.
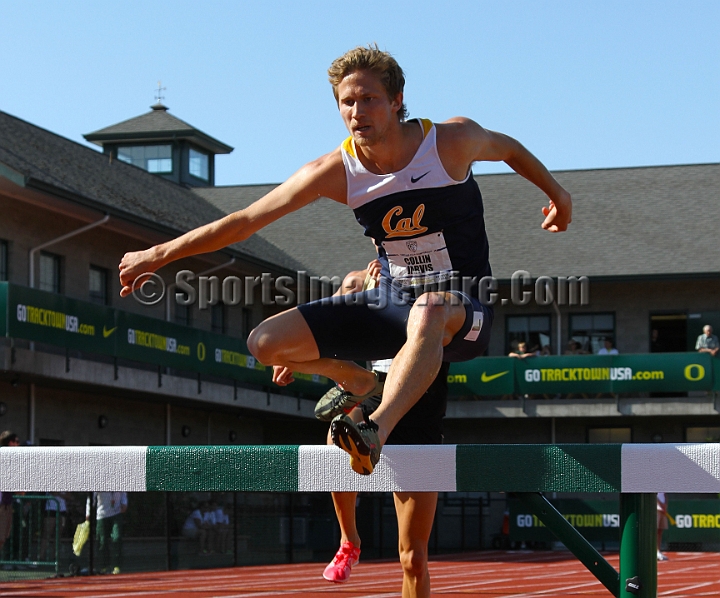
635, 471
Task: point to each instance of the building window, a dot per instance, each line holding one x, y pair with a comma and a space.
609, 435
199, 165
183, 314
3, 260
590, 330
217, 316
49, 279
532, 330
153, 158
702, 434
98, 285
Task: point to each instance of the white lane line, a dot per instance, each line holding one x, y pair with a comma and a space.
687, 588
559, 591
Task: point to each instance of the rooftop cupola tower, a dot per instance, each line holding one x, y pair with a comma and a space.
164, 145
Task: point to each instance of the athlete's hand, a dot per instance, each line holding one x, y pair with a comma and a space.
558, 214
133, 265
282, 376
373, 270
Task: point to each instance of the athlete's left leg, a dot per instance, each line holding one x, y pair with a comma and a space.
285, 339
415, 514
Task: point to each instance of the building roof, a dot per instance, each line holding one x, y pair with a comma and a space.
655, 221
627, 222
48, 162
157, 125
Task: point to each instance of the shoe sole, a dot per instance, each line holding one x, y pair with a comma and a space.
336, 580
341, 580
353, 444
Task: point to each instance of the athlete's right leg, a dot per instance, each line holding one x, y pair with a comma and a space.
433, 322
286, 340
415, 514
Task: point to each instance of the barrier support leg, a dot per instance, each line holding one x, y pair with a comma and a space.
638, 545
573, 540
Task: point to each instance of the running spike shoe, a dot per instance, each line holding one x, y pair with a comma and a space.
337, 401
347, 556
360, 441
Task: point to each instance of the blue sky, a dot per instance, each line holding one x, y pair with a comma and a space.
592, 84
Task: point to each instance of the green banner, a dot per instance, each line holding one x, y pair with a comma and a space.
563, 374
663, 372
54, 319
487, 376
588, 374
57, 320
690, 520
154, 341
693, 521
596, 520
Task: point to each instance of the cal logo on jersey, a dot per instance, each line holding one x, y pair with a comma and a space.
404, 227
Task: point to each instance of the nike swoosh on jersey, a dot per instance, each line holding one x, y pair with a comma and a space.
416, 179
486, 378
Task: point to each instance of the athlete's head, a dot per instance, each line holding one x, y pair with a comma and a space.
371, 59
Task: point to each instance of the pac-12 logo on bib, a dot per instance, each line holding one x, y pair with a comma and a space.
421, 261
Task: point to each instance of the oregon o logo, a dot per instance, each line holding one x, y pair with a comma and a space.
694, 368
201, 351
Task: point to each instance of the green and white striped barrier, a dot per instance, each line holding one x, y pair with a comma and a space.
626, 468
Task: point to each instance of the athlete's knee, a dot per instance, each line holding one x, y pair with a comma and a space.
282, 340
414, 561
263, 346
429, 309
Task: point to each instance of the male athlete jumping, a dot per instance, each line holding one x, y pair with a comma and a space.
410, 186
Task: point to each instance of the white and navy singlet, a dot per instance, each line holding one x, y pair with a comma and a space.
430, 234
425, 224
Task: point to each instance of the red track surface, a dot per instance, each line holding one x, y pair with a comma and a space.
493, 574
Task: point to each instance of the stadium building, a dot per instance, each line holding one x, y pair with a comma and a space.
639, 266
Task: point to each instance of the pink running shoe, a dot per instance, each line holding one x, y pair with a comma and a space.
338, 571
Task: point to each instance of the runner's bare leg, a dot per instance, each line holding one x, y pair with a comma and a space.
344, 503
431, 325
286, 340
415, 515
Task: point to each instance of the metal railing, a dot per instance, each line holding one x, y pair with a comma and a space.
34, 540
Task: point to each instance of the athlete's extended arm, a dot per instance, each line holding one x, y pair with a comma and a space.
324, 177
466, 142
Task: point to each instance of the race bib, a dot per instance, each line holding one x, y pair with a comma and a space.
420, 261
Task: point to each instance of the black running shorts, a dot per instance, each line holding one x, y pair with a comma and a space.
372, 325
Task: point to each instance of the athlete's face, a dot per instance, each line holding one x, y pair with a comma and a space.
365, 108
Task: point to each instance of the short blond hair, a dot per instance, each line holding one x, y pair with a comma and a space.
373, 59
